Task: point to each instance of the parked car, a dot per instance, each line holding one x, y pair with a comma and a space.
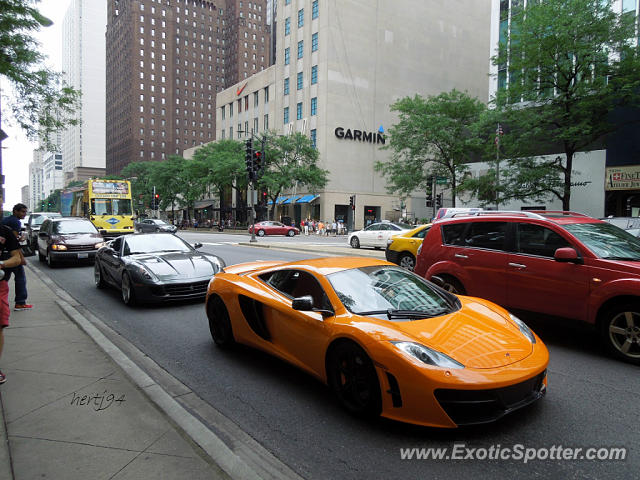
32, 226
68, 239
563, 264
402, 249
273, 228
376, 234
630, 224
155, 267
386, 341
154, 225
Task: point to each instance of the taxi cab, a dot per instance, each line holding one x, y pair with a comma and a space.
402, 249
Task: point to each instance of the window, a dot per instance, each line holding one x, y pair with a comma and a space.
297, 283
286, 56
286, 86
287, 2
222, 110
299, 111
265, 123
266, 94
300, 48
300, 17
314, 75
255, 99
314, 9
314, 42
538, 240
286, 115
299, 82
287, 25
314, 106
313, 138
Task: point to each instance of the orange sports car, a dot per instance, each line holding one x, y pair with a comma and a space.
386, 341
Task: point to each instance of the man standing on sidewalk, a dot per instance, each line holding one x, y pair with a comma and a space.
13, 222
8, 243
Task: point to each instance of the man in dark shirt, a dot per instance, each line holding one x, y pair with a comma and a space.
13, 222
8, 243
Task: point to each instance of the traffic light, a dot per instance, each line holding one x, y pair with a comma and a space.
257, 163
429, 191
352, 202
439, 200
248, 158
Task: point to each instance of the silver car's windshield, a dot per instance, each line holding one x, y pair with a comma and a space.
154, 243
383, 287
607, 240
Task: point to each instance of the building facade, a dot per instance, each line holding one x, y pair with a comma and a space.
83, 59
52, 174
36, 184
339, 66
165, 62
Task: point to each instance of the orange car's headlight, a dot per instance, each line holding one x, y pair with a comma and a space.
427, 355
526, 331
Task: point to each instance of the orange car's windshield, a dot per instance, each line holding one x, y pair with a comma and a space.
381, 288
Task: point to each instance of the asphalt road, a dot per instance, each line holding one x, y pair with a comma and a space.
592, 399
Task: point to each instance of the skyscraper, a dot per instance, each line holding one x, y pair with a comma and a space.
165, 62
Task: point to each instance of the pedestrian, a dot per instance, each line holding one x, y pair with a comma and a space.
13, 222
306, 226
320, 227
10, 248
334, 228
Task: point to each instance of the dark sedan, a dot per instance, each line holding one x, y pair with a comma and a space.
155, 267
69, 239
274, 228
150, 225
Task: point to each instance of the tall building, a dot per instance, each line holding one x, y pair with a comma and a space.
165, 62
83, 58
52, 175
36, 188
24, 195
339, 67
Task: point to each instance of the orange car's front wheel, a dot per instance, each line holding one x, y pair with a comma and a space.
219, 322
353, 379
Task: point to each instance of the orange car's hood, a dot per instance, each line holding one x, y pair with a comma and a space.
476, 336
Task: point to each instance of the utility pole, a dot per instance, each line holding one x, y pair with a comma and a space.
498, 133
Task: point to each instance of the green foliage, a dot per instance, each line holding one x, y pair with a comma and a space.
433, 137
570, 64
290, 160
52, 202
42, 104
138, 173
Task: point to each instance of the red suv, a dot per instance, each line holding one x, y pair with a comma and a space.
563, 264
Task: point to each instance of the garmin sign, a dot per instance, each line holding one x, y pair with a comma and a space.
361, 136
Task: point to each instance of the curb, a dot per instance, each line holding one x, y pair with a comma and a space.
262, 464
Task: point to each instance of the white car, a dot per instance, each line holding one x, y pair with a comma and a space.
377, 234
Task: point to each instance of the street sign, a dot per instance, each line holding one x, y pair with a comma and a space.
442, 180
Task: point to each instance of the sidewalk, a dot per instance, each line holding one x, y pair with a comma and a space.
70, 412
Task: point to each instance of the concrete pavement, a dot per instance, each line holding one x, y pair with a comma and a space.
70, 411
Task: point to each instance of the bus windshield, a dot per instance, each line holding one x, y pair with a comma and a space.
111, 206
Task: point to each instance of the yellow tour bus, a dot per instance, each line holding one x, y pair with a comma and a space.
107, 203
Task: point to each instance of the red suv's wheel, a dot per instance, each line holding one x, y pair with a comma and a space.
453, 285
620, 331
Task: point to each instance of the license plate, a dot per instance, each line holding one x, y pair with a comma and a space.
83, 255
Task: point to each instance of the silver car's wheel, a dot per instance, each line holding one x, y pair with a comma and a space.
97, 276
291, 233
261, 233
355, 243
128, 292
407, 261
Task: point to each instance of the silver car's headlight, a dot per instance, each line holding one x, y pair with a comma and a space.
428, 355
144, 273
526, 331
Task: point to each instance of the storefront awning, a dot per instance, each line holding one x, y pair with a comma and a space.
279, 200
203, 204
290, 200
307, 199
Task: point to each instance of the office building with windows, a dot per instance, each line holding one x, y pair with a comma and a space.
339, 67
165, 62
83, 59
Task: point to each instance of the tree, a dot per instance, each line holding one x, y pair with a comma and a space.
289, 160
172, 181
433, 137
52, 202
42, 104
569, 65
139, 173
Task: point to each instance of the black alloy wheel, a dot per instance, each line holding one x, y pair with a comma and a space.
128, 290
219, 322
407, 261
97, 276
452, 285
355, 243
620, 331
354, 380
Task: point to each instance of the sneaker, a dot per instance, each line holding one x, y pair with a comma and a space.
3, 377
23, 307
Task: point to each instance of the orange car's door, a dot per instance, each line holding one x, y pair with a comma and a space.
303, 336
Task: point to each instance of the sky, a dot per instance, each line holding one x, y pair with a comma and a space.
17, 151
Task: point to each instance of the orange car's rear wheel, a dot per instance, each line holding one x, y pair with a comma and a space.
353, 379
219, 322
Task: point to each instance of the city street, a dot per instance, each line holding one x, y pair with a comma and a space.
590, 400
